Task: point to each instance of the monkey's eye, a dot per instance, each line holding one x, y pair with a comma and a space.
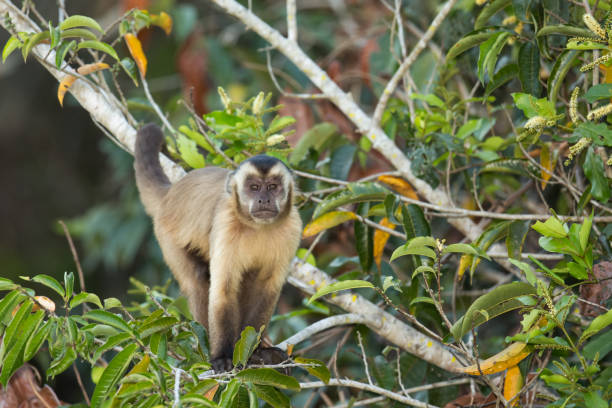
254, 187
271, 186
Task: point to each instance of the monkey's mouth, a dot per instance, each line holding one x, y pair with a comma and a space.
264, 213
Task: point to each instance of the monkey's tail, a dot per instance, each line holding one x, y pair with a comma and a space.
152, 182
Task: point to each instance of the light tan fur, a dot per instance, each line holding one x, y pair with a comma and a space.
198, 222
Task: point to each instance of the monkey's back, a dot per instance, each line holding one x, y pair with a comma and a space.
186, 212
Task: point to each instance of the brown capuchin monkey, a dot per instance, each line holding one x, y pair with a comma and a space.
227, 236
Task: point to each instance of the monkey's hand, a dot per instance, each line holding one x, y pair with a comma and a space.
222, 364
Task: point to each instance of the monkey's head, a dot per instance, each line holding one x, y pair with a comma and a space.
262, 186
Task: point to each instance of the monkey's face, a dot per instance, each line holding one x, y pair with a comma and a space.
262, 186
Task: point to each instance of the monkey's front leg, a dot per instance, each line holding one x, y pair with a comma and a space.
223, 313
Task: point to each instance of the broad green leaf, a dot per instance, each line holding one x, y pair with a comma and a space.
599, 133
517, 232
421, 299
489, 10
423, 269
108, 318
33, 41
197, 137
85, 297
416, 246
597, 92
592, 399
559, 245
268, 376
111, 375
364, 242
327, 221
11, 45
319, 369
527, 270
585, 45
341, 161
248, 342
10, 334
566, 60
198, 399
585, 231
17, 343
229, 393
80, 21
355, 193
498, 300
110, 303
61, 364
502, 76
129, 67
69, 283
529, 68
189, 152
567, 30
595, 172
314, 138
78, 33
341, 285
8, 303
600, 345
35, 341
532, 106
54, 33
430, 99
464, 249
552, 227
490, 58
271, 395
467, 42
599, 323
100, 46
521, 9
112, 341
279, 123
62, 50
160, 324
51, 283
7, 284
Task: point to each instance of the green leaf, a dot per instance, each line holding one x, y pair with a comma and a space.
529, 68
198, 399
11, 45
8, 303
430, 99
497, 301
229, 393
414, 221
532, 106
337, 286
7, 284
517, 232
248, 342
467, 42
51, 283
502, 76
279, 123
421, 299
33, 41
129, 66
111, 375
600, 345
62, 50
599, 133
319, 369
85, 297
62, 363
552, 227
69, 283
197, 137
156, 326
585, 45
108, 318
364, 239
80, 21
595, 172
314, 138
78, 33
271, 395
465, 249
599, 323
100, 46
491, 9
14, 357
112, 341
35, 341
527, 270
585, 232
566, 60
592, 399
189, 152
597, 92
416, 246
355, 193
567, 30
491, 49
54, 33
268, 376
10, 334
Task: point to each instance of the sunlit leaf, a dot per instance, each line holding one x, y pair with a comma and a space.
99, 46
509, 357
135, 48
327, 221
338, 286
513, 383
380, 240
80, 21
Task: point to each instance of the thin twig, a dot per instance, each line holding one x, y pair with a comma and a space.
364, 358
75, 255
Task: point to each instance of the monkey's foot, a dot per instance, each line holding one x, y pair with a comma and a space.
269, 356
222, 364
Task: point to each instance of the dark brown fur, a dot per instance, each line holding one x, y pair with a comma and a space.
229, 263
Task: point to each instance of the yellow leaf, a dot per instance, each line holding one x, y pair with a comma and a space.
163, 20
400, 185
290, 349
64, 85
547, 163
508, 357
513, 383
135, 48
210, 394
326, 221
464, 263
90, 68
45, 303
380, 240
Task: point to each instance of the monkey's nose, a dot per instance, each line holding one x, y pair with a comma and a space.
267, 201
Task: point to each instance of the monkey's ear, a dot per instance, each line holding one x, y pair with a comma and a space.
230, 181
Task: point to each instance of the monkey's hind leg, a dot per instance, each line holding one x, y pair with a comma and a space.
193, 275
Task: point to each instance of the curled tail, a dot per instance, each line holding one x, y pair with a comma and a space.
152, 182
